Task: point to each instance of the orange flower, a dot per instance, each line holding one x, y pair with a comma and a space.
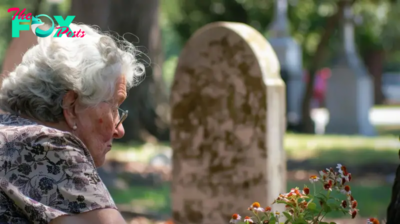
306, 190
372, 221
314, 178
248, 219
353, 213
256, 207
294, 192
354, 204
235, 218
268, 209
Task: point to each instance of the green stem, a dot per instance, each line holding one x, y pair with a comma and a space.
327, 195
323, 217
316, 220
256, 214
314, 189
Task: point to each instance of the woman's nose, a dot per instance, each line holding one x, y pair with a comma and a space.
119, 131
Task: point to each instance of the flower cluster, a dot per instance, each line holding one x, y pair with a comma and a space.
301, 206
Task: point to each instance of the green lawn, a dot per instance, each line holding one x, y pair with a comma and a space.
388, 130
318, 149
330, 149
372, 199
386, 106
144, 199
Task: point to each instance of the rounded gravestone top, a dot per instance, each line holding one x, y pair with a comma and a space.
222, 152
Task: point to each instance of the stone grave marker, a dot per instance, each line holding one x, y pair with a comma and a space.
227, 125
350, 93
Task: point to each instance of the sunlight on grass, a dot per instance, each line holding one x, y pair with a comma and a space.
317, 148
331, 149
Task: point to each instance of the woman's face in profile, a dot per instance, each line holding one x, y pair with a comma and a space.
96, 126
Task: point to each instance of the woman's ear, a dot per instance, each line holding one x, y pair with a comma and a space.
69, 107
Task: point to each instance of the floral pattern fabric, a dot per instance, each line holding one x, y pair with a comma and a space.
45, 173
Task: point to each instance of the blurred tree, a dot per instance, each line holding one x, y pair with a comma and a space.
327, 24
314, 24
191, 15
378, 37
148, 102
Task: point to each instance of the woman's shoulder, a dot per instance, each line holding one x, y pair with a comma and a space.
11, 123
47, 172
18, 132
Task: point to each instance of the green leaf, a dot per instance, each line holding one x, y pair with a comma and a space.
290, 203
300, 221
312, 206
326, 208
321, 195
334, 206
272, 220
288, 216
332, 223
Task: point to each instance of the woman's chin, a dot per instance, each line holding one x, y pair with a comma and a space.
100, 161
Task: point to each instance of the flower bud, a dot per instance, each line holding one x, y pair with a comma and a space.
344, 203
306, 190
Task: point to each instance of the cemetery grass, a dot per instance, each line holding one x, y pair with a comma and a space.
306, 150
373, 199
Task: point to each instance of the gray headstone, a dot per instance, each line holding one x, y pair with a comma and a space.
350, 93
289, 55
227, 125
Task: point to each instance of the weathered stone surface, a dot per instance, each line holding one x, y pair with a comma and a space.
227, 125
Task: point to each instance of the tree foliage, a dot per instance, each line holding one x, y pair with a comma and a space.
375, 21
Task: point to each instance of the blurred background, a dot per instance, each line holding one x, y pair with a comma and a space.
311, 31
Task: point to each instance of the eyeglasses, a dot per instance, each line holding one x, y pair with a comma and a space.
123, 114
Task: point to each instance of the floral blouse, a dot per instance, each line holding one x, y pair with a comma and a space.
45, 173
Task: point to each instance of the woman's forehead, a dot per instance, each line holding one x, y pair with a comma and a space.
120, 91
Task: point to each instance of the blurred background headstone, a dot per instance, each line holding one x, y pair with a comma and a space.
290, 58
350, 95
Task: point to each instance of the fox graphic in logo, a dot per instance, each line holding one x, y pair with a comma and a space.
36, 22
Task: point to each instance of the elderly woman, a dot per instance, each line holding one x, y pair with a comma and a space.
62, 105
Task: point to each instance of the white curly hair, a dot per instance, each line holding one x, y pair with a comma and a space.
89, 66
